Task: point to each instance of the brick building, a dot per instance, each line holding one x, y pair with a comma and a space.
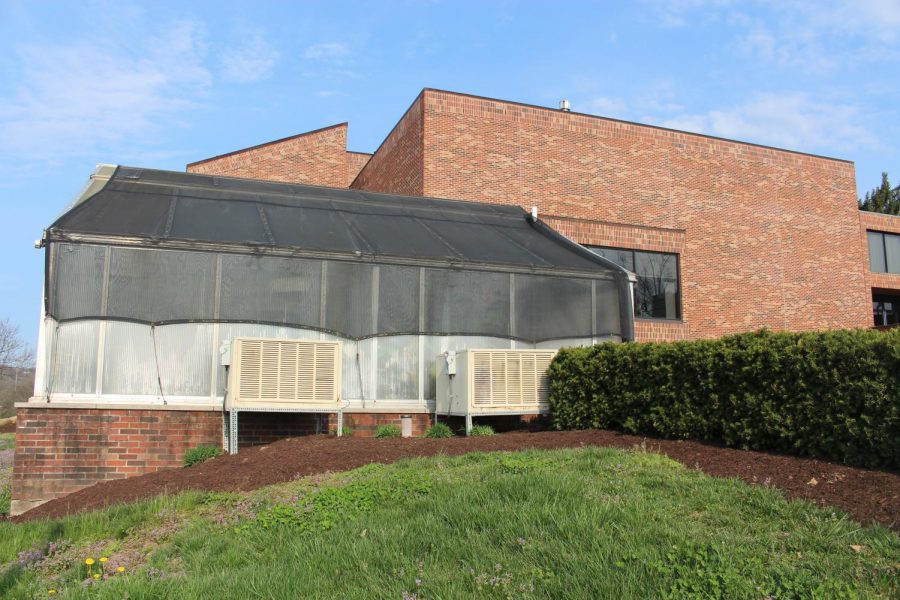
723, 236
758, 236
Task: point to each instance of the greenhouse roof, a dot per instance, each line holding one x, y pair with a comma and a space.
162, 207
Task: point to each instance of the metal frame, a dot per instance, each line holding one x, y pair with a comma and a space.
230, 421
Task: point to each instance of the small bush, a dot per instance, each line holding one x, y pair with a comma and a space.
388, 431
481, 430
439, 430
200, 454
345, 432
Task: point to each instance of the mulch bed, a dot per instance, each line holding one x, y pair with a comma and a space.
8, 427
869, 496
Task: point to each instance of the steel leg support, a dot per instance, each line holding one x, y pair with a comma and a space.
340, 424
233, 433
468, 424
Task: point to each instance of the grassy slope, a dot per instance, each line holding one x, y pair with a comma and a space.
7, 443
573, 523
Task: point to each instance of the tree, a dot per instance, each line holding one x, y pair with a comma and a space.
16, 374
882, 199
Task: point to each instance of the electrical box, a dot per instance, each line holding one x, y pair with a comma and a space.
269, 374
490, 382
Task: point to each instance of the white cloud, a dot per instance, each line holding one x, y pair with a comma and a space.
76, 98
326, 51
814, 35
604, 106
253, 60
792, 121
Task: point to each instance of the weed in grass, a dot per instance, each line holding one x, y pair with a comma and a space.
388, 431
481, 431
439, 430
195, 456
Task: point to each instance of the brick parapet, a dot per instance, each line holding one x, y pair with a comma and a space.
397, 165
317, 158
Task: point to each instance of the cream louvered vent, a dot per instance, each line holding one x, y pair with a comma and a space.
509, 377
268, 373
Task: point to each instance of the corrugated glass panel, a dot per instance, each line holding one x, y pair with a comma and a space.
185, 358
74, 358
398, 367
129, 364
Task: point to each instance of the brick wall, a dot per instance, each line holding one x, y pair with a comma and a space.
397, 164
365, 424
355, 163
59, 451
318, 158
878, 222
769, 237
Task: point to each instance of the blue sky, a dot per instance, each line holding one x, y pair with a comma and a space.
161, 84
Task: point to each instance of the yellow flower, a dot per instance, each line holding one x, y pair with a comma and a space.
89, 561
121, 569
51, 592
103, 559
96, 575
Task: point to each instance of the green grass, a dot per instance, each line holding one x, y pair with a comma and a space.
585, 523
388, 431
200, 454
438, 431
481, 431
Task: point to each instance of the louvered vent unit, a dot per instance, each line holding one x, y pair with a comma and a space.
494, 382
284, 374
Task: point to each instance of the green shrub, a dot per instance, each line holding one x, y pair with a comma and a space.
439, 430
830, 395
388, 431
345, 432
481, 430
195, 456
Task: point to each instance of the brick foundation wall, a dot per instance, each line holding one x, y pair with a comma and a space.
397, 166
318, 158
62, 450
59, 451
365, 424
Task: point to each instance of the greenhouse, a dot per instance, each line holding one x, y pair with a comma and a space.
150, 272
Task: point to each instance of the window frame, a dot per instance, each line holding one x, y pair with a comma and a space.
679, 304
889, 269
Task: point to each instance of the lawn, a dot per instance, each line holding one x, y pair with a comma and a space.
7, 449
585, 523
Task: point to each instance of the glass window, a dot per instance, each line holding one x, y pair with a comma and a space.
892, 252
656, 293
876, 252
886, 310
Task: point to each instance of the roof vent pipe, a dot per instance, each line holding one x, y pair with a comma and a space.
565, 105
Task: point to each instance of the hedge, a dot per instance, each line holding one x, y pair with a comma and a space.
832, 395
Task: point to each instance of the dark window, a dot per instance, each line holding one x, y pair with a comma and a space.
884, 252
656, 293
886, 309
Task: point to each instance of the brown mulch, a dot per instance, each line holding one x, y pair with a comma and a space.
869, 496
8, 427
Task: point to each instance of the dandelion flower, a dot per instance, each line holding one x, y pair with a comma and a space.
51, 592
96, 575
121, 569
89, 561
103, 559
